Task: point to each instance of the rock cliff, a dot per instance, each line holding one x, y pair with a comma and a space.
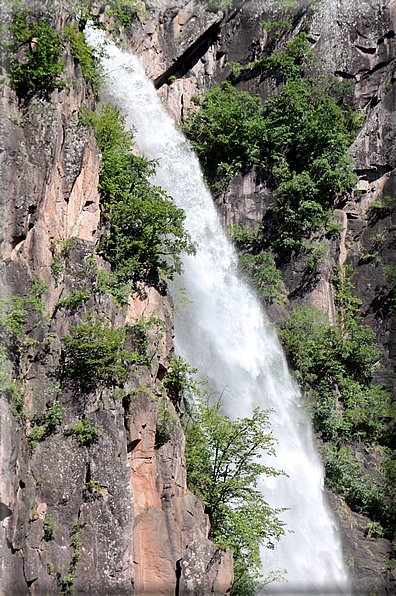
90, 502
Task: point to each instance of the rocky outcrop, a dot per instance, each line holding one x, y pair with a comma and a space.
111, 513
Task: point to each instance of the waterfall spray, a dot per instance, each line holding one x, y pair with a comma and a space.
226, 335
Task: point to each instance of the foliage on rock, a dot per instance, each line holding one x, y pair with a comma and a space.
41, 47
95, 351
334, 365
146, 234
259, 264
222, 469
300, 137
86, 57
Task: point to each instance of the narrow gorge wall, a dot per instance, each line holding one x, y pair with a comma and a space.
108, 516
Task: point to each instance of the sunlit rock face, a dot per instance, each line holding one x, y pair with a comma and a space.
122, 520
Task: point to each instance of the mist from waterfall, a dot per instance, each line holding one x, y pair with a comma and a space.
227, 336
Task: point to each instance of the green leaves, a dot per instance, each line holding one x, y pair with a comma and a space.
86, 431
319, 349
227, 130
334, 365
95, 352
146, 233
42, 47
266, 277
45, 424
301, 137
86, 57
223, 469
346, 475
180, 384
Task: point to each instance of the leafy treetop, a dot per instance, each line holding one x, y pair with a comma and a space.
301, 137
43, 46
223, 470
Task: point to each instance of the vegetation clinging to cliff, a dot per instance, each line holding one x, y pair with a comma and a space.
42, 46
334, 365
223, 470
146, 234
301, 137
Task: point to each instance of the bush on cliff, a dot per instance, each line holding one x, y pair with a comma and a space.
41, 46
145, 228
335, 365
222, 469
301, 137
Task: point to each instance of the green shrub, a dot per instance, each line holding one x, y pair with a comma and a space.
43, 47
347, 477
125, 10
266, 277
164, 426
301, 137
222, 469
46, 424
16, 393
76, 298
388, 470
86, 431
334, 365
95, 352
87, 57
180, 384
216, 5
374, 530
122, 10
92, 486
227, 131
66, 585
95, 349
19, 316
259, 264
114, 283
49, 527
390, 274
386, 202
146, 233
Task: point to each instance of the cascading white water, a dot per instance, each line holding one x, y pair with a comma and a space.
225, 334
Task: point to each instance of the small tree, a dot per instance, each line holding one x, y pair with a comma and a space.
222, 469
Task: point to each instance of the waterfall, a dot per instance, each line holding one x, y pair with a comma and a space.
226, 335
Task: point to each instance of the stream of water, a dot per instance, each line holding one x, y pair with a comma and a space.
227, 336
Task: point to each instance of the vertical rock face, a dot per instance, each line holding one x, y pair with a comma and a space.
108, 513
